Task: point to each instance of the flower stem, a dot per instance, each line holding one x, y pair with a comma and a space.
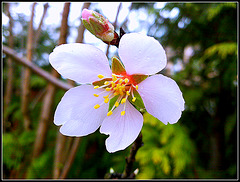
131, 158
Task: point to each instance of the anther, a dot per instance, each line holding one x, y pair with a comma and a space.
134, 99
106, 96
96, 95
136, 87
123, 100
109, 113
121, 80
113, 84
128, 93
126, 80
116, 104
100, 76
106, 83
96, 106
96, 87
108, 89
122, 113
106, 100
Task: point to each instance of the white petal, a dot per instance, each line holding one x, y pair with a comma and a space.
162, 98
141, 54
80, 62
76, 112
123, 130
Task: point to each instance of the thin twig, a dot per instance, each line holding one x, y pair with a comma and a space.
36, 69
60, 143
38, 32
70, 158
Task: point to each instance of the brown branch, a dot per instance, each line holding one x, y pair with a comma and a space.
61, 138
38, 32
26, 75
58, 160
74, 147
9, 86
70, 158
49, 96
44, 74
131, 158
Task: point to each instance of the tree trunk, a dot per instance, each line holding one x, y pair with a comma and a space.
26, 74
9, 86
46, 112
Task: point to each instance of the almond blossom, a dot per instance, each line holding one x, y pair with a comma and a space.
110, 98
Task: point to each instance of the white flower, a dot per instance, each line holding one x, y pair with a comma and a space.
85, 108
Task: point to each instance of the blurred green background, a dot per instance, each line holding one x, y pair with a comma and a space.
200, 40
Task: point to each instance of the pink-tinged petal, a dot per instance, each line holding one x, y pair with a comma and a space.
76, 113
141, 54
162, 98
80, 62
86, 14
123, 130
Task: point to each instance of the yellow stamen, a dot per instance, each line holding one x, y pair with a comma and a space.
106, 100
96, 87
116, 93
116, 104
134, 99
121, 80
122, 113
128, 93
100, 76
108, 89
106, 83
126, 80
96, 95
113, 84
96, 106
114, 79
136, 87
105, 96
109, 113
123, 100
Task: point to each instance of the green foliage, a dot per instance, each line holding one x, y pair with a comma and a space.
167, 150
41, 167
12, 151
214, 11
37, 82
222, 49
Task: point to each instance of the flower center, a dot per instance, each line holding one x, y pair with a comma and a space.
121, 86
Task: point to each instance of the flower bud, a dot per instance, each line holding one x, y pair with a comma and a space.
98, 25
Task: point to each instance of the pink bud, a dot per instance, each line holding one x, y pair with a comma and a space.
98, 25
86, 14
